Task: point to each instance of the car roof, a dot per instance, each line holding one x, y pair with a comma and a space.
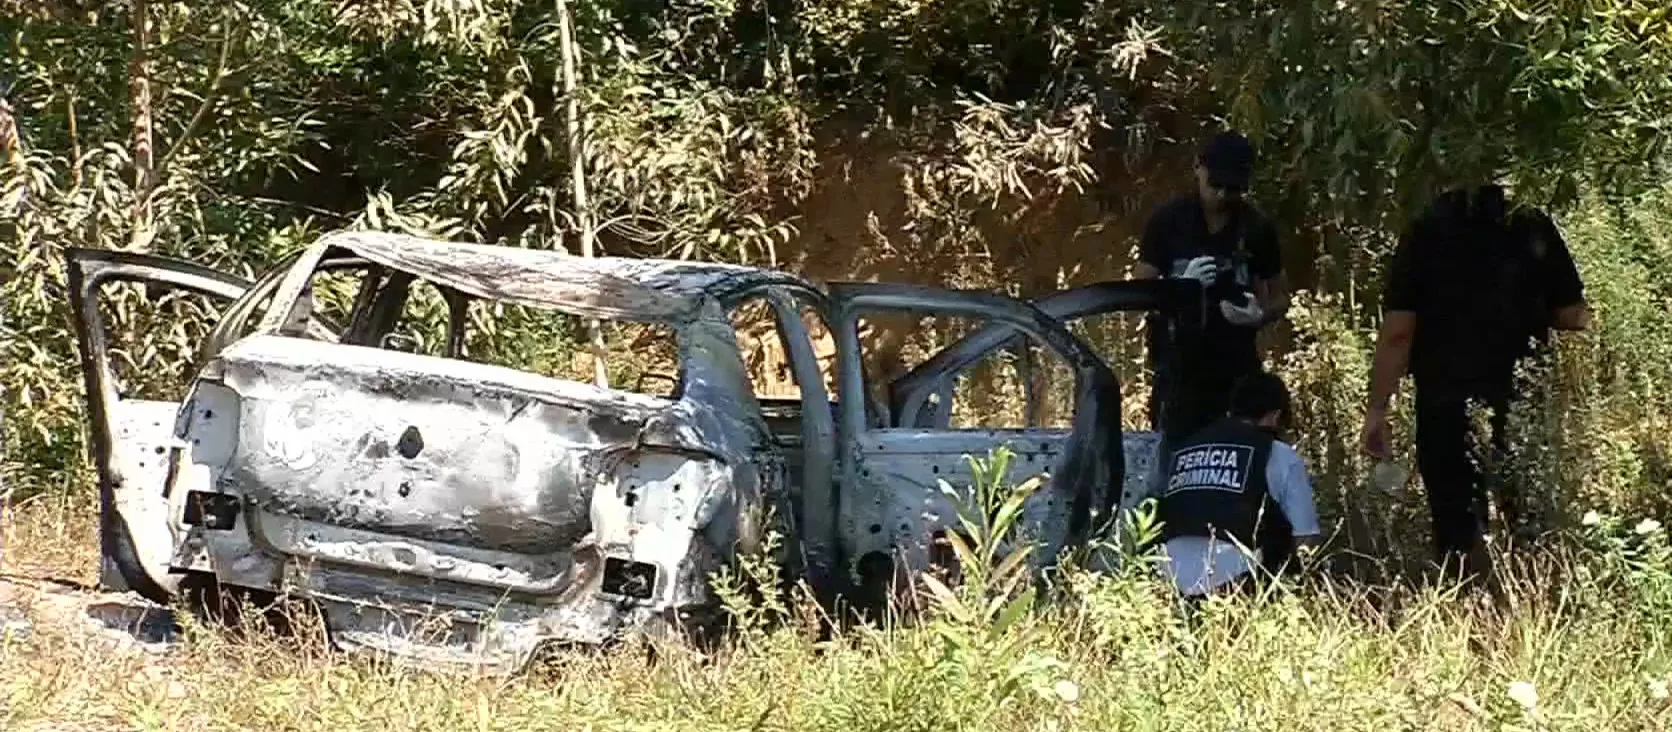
616, 288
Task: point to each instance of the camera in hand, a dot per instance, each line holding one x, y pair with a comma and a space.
1230, 283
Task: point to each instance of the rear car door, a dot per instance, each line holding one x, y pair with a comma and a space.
803, 427
889, 503
132, 438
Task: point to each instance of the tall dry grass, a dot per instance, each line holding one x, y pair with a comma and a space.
1580, 643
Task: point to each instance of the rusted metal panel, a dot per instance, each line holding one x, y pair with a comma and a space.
133, 543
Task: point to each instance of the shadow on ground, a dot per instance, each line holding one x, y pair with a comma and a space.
144, 622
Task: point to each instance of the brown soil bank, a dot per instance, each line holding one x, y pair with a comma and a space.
866, 219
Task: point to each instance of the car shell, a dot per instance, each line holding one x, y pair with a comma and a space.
453, 511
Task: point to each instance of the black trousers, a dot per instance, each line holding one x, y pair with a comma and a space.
1186, 401
1462, 461
1275, 538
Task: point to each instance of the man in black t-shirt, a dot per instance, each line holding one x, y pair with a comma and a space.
1474, 286
1211, 235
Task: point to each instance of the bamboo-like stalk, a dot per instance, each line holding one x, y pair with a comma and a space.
577, 175
139, 94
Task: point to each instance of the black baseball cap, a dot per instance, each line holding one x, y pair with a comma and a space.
1229, 160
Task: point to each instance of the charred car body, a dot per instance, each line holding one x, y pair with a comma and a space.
449, 510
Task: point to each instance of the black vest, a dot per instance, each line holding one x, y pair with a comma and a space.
1216, 483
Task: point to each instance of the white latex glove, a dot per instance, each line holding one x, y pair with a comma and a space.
1202, 269
1250, 314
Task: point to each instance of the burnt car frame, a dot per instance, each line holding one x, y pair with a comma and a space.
448, 510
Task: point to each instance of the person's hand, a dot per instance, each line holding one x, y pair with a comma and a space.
1202, 269
1308, 552
1248, 315
1375, 438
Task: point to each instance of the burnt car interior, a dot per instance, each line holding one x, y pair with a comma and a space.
782, 396
918, 395
353, 301
373, 318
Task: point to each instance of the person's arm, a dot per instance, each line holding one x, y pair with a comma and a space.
1291, 488
1563, 287
1393, 344
1572, 317
1152, 247
1271, 282
1273, 296
1393, 356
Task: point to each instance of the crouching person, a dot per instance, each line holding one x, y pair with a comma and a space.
1236, 496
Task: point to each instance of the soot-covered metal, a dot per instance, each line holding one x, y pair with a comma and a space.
452, 511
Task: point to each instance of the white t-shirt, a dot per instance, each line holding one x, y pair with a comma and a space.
1198, 564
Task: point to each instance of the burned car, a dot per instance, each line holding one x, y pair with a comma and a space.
445, 508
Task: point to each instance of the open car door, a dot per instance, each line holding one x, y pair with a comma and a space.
921, 398
133, 438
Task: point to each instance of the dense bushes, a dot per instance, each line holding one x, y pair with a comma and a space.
1022, 143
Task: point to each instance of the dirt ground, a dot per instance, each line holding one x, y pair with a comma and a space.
48, 566
125, 620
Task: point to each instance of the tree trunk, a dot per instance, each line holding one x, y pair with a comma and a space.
139, 91
577, 174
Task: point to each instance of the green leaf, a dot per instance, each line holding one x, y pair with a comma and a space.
946, 599
1012, 564
1014, 611
966, 555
